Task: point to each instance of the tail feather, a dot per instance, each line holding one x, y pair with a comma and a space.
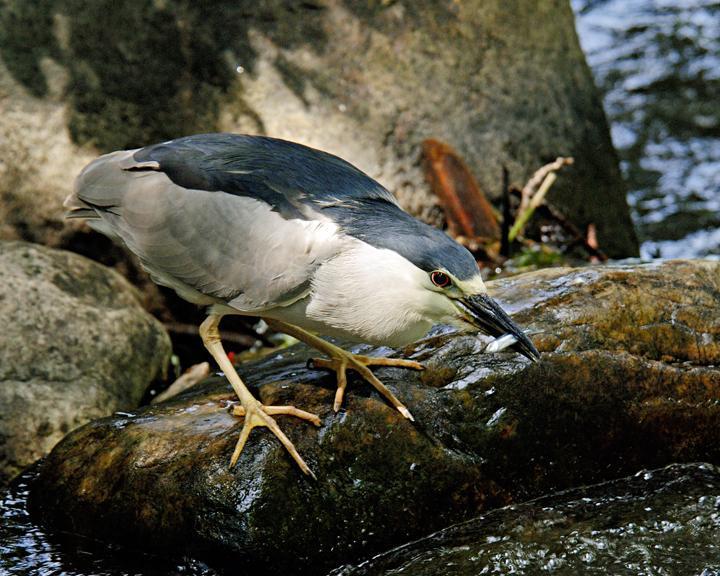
100, 185
87, 214
76, 208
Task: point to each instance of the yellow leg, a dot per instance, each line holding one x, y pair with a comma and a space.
340, 361
254, 412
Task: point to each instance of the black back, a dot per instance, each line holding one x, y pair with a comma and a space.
290, 177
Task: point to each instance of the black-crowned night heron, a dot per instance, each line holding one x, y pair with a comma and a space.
263, 227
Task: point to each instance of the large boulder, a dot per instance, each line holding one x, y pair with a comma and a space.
505, 84
627, 379
75, 345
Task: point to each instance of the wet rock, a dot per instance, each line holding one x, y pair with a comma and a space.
664, 521
75, 346
627, 380
505, 84
28, 549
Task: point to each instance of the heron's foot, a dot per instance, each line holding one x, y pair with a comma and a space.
256, 415
341, 360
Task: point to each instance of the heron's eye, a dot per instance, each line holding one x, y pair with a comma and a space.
440, 279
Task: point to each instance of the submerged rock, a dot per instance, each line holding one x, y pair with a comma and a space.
663, 521
75, 345
627, 380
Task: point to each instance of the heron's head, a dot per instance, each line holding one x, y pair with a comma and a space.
441, 280
401, 279
465, 303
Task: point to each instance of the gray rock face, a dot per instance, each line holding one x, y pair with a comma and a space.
75, 345
505, 84
627, 380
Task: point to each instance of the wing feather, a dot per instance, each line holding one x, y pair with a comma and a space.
209, 246
293, 179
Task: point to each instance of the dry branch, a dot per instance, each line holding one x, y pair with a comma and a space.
529, 199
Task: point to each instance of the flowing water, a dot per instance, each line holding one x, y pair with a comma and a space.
657, 522
27, 549
657, 63
660, 522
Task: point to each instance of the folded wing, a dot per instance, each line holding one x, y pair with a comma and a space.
210, 245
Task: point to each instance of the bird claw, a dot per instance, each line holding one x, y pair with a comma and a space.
344, 360
258, 415
396, 362
340, 360
339, 366
238, 409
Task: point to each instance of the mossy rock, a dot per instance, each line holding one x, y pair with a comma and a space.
627, 380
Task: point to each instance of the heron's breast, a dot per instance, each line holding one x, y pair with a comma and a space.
354, 325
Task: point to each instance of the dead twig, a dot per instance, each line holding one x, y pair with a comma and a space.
190, 377
537, 178
542, 179
506, 214
588, 242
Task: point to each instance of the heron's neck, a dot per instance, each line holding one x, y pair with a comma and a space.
372, 294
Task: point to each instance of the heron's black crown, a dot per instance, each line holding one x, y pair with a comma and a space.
292, 178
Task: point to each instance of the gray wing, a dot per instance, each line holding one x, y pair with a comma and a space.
210, 246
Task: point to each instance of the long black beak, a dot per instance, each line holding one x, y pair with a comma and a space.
485, 314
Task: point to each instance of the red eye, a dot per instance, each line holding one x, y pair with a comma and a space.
440, 279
